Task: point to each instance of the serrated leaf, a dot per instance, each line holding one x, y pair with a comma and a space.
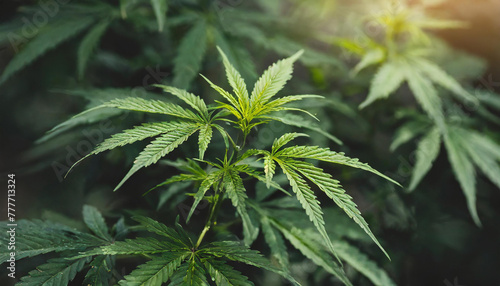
99, 273
426, 95
139, 246
156, 271
193, 100
224, 275
363, 264
463, 169
326, 155
48, 38
88, 44
56, 272
427, 151
387, 80
160, 9
149, 106
272, 81
95, 222
237, 251
301, 122
284, 139
205, 185
195, 275
152, 225
439, 76
334, 191
407, 132
307, 199
236, 82
312, 251
204, 138
237, 193
160, 147
41, 237
190, 54
275, 242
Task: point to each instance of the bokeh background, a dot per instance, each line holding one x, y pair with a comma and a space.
58, 60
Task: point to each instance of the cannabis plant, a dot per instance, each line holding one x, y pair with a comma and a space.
404, 55
175, 255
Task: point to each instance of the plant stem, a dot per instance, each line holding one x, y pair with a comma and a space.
212, 219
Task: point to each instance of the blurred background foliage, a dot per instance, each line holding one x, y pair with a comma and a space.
432, 124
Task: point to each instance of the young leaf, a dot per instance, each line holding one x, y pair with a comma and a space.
204, 139
272, 81
427, 151
156, 271
193, 100
152, 225
387, 80
236, 82
95, 222
205, 185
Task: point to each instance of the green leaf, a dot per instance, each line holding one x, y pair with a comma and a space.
137, 133
205, 185
307, 199
236, 82
301, 122
439, 76
372, 57
56, 272
156, 271
204, 138
363, 264
463, 168
193, 100
275, 242
334, 191
190, 54
41, 237
426, 95
313, 251
388, 79
99, 273
272, 81
152, 225
88, 44
95, 222
269, 169
225, 275
284, 139
195, 275
48, 38
237, 193
326, 155
150, 106
160, 147
482, 157
139, 246
239, 252
160, 8
427, 151
407, 132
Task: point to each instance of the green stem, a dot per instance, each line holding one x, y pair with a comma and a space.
212, 219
